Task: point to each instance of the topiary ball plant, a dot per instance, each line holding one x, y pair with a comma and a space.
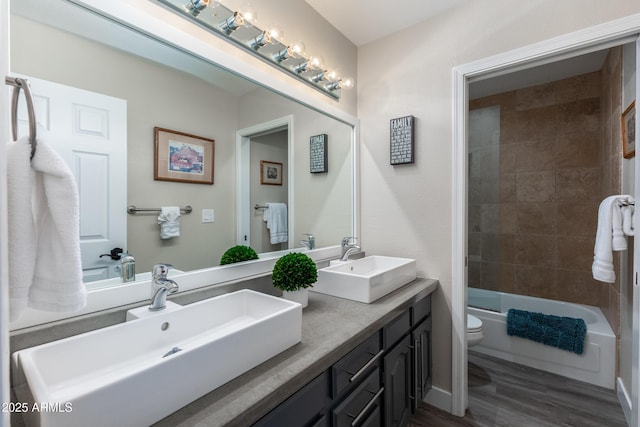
294, 271
237, 254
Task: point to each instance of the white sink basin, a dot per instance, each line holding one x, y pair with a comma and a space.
365, 279
138, 372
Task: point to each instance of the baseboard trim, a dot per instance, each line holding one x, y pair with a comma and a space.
623, 398
439, 398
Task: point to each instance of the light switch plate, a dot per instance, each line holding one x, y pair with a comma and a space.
207, 215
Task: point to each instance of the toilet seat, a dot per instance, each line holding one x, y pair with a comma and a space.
474, 330
473, 324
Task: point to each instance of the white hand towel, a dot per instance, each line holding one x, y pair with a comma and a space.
22, 234
169, 220
276, 218
609, 237
628, 217
618, 241
57, 281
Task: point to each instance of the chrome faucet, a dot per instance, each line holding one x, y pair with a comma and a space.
161, 287
310, 243
348, 248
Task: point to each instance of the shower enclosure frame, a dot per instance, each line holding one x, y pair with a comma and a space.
609, 34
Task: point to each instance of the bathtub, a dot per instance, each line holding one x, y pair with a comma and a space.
596, 365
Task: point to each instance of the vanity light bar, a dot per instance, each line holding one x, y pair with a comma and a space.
238, 26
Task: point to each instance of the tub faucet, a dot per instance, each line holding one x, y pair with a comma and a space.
348, 248
161, 287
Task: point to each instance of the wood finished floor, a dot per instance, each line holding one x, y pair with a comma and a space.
506, 394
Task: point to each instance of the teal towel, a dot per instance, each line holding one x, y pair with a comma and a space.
566, 333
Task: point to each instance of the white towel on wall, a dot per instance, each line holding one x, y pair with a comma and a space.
22, 233
610, 235
169, 220
276, 218
628, 216
46, 267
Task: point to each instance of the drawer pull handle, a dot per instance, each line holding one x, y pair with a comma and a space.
362, 370
364, 411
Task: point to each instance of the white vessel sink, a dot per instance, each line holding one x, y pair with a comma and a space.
138, 372
365, 279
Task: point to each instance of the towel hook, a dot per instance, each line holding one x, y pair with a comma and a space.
19, 83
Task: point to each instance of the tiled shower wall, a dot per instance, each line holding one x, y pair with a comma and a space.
535, 184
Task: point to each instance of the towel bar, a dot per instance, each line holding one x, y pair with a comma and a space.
23, 84
132, 209
256, 207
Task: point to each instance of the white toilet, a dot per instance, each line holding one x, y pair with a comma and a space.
474, 330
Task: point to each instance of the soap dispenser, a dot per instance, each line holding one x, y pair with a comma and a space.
128, 269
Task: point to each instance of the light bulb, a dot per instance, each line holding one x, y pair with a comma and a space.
346, 83
249, 15
316, 62
274, 32
297, 49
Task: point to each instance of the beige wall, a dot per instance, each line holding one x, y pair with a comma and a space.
156, 96
407, 209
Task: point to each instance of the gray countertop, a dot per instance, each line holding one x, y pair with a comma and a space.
331, 327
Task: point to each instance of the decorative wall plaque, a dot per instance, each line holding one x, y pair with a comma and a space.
401, 140
318, 153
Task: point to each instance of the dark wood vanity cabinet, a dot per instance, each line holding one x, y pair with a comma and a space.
407, 363
378, 383
421, 338
398, 383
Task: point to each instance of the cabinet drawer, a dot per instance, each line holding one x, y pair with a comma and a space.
305, 407
361, 404
356, 364
421, 310
396, 329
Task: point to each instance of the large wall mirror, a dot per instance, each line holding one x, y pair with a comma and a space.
145, 83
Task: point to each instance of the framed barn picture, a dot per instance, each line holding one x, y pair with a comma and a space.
183, 157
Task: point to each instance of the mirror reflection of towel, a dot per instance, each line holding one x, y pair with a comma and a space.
276, 218
169, 220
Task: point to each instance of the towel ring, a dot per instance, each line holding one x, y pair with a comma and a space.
19, 83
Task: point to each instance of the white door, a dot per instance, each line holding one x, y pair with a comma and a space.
89, 131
